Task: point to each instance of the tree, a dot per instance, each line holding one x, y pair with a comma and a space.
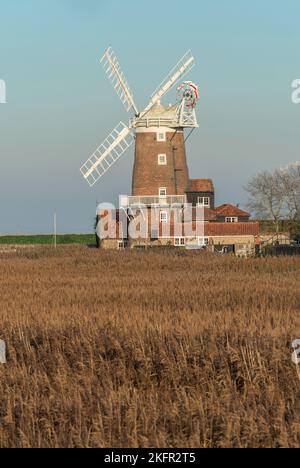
290, 181
267, 197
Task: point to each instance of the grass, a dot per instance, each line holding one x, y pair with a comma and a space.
48, 239
148, 349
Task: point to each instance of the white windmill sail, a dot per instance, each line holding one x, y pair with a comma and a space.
116, 76
183, 67
121, 137
107, 154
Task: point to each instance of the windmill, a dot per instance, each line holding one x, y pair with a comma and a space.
160, 168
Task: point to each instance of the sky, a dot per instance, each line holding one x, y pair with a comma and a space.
60, 105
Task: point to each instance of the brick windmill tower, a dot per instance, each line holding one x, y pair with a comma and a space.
160, 174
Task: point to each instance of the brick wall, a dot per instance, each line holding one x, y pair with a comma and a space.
149, 176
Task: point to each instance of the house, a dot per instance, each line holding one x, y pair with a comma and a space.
231, 214
283, 238
226, 229
201, 192
239, 238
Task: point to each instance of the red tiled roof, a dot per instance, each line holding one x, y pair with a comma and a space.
201, 185
230, 210
212, 229
231, 229
207, 213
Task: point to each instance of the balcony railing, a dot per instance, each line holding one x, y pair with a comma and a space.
187, 120
154, 200
153, 122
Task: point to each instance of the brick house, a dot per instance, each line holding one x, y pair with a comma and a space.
201, 192
240, 238
231, 214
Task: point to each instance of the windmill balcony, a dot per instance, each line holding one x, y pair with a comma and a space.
157, 122
154, 200
183, 120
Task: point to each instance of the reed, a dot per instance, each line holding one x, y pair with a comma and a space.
148, 349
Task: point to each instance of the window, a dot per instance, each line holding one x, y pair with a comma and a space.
203, 241
179, 241
204, 201
161, 136
162, 192
232, 220
163, 216
122, 245
162, 159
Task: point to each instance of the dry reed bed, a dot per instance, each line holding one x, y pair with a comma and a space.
148, 349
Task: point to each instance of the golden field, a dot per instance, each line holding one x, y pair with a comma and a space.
148, 349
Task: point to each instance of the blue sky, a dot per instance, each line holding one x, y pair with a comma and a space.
60, 105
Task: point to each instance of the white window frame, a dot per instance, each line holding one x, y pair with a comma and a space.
179, 242
203, 241
231, 219
163, 217
122, 245
161, 136
162, 160
203, 202
164, 190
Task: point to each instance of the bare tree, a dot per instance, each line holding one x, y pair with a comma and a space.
290, 181
267, 196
